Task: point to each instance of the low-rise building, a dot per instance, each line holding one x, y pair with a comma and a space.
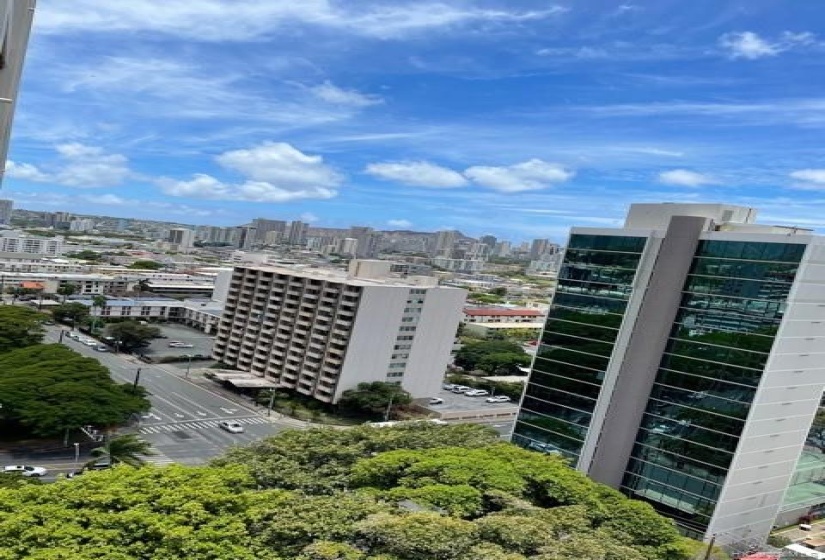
501, 315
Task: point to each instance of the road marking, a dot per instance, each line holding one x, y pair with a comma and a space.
229, 410
198, 425
151, 415
178, 415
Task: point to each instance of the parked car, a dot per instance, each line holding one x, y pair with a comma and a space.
179, 344
448, 386
90, 342
497, 398
477, 393
74, 335
231, 426
461, 389
25, 470
436, 400
102, 348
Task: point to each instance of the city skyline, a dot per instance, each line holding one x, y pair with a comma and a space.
546, 115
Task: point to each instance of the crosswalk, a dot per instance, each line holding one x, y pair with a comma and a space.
198, 425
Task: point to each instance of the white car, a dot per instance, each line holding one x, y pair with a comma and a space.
231, 426
461, 389
436, 400
179, 344
499, 398
477, 393
90, 342
25, 470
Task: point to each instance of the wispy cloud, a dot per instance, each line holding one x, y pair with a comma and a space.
214, 20
684, 178
417, 173
399, 223
530, 175
77, 165
339, 96
751, 46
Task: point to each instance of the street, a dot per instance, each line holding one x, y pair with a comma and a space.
182, 425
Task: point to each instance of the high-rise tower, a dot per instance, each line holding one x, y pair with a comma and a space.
682, 362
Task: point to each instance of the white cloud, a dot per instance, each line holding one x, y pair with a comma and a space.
684, 178
749, 45
417, 173
338, 96
810, 179
272, 171
309, 217
107, 199
403, 224
530, 175
218, 20
78, 165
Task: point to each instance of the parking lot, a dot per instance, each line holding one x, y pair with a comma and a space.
458, 406
201, 343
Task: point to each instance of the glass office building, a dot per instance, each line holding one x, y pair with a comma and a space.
681, 363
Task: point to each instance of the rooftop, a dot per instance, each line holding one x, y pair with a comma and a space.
500, 312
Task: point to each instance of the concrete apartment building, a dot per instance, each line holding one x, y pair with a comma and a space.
321, 332
683, 361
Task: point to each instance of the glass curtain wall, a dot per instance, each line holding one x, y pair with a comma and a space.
594, 285
731, 308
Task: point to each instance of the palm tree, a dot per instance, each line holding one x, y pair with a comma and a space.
141, 286
127, 449
98, 301
67, 290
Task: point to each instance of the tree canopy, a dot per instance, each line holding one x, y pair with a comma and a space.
73, 312
132, 334
145, 265
48, 388
495, 356
413, 492
371, 399
19, 327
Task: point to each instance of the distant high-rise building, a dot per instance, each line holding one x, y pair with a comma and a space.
183, 238
681, 362
263, 227
6, 208
489, 240
81, 224
367, 239
445, 242
323, 332
15, 26
296, 233
347, 247
244, 237
503, 249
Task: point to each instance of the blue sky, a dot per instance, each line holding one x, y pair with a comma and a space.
512, 117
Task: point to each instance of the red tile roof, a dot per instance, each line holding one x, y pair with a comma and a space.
496, 312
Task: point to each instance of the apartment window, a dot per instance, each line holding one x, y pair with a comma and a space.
395, 374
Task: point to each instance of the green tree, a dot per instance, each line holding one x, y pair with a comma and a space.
145, 265
66, 290
472, 354
373, 399
73, 312
418, 536
132, 334
98, 301
19, 327
48, 388
141, 286
128, 449
85, 255
504, 363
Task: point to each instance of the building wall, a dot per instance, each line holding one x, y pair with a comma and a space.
373, 336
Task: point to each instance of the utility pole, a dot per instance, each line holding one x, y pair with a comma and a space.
271, 402
709, 551
188, 366
60, 340
389, 409
137, 379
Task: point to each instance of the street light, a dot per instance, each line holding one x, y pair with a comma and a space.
76, 454
188, 366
